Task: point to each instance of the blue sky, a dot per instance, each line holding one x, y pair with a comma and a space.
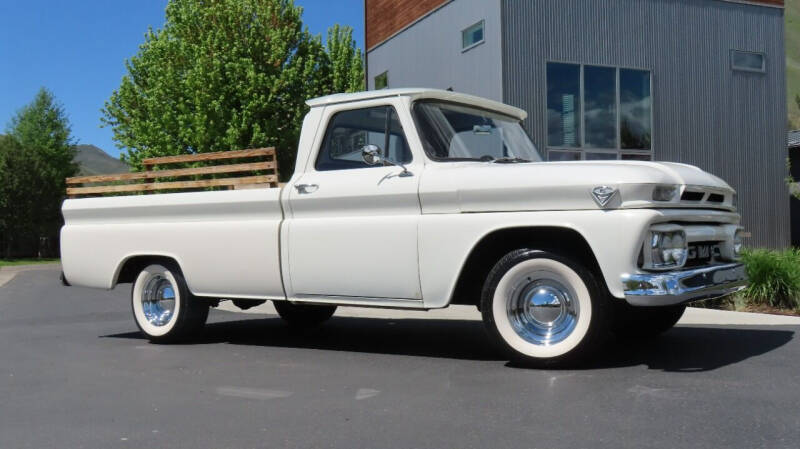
77, 50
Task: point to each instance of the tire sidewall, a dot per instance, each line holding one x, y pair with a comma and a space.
138, 312
537, 264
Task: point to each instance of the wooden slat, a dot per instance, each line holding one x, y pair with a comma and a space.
209, 156
266, 179
214, 169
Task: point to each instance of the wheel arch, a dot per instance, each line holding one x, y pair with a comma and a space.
495, 244
131, 265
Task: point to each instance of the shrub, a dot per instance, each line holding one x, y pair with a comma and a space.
774, 277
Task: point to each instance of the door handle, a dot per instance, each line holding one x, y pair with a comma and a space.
306, 188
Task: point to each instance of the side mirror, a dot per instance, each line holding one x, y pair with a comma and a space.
371, 154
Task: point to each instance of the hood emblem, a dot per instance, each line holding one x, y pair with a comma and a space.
603, 194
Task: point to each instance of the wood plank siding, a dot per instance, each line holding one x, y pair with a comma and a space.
385, 18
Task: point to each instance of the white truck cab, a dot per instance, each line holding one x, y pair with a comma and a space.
419, 199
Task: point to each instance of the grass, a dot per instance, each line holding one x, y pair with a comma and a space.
774, 283
13, 262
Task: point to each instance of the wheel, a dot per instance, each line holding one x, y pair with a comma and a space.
163, 307
544, 309
303, 315
645, 322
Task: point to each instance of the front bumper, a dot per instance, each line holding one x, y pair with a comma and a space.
678, 287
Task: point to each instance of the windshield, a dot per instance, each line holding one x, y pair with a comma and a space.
452, 132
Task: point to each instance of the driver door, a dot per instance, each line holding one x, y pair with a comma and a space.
353, 227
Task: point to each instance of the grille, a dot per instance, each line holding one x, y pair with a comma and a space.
716, 198
692, 196
703, 253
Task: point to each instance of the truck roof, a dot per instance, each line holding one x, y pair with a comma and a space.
420, 93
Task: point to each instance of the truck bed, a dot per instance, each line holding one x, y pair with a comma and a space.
226, 242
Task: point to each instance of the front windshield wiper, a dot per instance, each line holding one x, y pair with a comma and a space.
509, 160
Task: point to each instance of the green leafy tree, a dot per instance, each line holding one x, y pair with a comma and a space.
35, 158
344, 61
225, 75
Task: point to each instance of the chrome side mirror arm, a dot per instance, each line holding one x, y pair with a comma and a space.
373, 155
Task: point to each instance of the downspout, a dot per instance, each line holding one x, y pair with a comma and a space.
366, 50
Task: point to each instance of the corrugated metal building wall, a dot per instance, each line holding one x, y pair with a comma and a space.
730, 123
727, 122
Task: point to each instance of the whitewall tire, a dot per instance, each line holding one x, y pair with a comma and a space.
543, 308
163, 307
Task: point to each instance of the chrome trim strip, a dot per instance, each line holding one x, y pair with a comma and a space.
357, 301
678, 287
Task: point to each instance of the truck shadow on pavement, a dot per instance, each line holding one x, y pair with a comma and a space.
682, 349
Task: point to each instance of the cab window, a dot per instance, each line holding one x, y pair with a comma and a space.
349, 131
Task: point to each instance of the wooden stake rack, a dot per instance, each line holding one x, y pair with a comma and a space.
262, 173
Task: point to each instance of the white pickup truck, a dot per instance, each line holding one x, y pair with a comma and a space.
419, 199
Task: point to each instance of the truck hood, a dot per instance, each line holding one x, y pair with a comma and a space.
493, 187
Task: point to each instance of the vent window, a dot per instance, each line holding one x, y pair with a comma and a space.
472, 36
382, 81
748, 61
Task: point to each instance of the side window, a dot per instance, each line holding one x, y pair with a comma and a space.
349, 131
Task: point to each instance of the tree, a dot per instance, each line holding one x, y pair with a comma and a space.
35, 158
344, 61
225, 75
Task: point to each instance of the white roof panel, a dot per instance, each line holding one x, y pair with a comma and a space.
420, 93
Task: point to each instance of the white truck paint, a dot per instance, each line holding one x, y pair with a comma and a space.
374, 237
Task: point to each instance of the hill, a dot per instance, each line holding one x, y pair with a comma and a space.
792, 14
94, 161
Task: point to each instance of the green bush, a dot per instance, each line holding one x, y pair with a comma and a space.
774, 278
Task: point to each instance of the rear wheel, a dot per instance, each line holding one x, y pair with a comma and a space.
645, 322
163, 308
543, 309
304, 315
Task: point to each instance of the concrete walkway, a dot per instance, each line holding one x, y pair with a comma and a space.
8, 273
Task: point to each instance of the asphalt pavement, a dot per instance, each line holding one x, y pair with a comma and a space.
74, 373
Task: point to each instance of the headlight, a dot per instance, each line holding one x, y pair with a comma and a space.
668, 249
665, 193
738, 243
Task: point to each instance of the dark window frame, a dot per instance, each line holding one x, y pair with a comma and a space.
620, 152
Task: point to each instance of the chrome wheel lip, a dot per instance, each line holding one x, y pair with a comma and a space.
542, 310
158, 300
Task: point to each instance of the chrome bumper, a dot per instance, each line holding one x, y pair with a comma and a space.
677, 287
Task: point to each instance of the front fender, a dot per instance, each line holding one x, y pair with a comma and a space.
446, 241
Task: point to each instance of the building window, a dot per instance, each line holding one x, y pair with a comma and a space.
472, 36
382, 81
598, 113
748, 61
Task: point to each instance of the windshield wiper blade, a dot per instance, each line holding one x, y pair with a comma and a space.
509, 160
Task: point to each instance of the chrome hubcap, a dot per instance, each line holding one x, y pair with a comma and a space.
542, 311
158, 301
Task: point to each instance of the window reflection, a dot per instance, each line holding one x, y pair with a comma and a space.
635, 109
600, 86
563, 105
594, 109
